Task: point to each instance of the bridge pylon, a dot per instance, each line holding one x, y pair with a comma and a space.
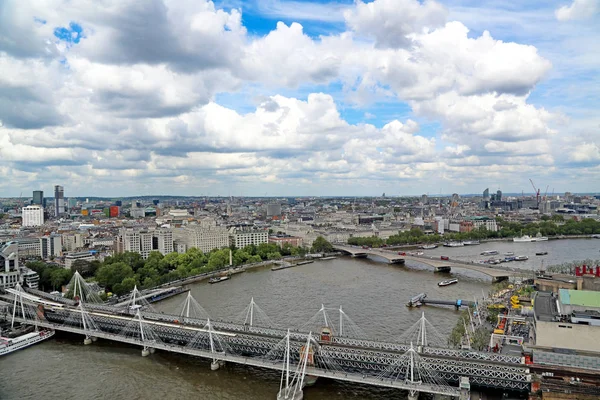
293, 387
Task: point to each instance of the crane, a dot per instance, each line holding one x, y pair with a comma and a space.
546, 192
537, 193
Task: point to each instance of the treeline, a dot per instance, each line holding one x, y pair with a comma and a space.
547, 227
120, 273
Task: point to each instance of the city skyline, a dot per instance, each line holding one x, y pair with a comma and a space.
287, 98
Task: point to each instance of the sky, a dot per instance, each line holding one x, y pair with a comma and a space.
296, 98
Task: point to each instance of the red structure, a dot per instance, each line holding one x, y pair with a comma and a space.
587, 270
114, 211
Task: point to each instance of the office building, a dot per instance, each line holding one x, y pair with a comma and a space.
73, 241
32, 216
206, 236
241, 238
71, 258
499, 195
144, 241
273, 210
38, 197
59, 200
51, 246
163, 241
9, 265
486, 194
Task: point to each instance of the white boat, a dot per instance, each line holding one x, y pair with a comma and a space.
509, 254
448, 282
429, 246
489, 252
218, 279
453, 244
471, 242
521, 258
8, 345
539, 239
523, 239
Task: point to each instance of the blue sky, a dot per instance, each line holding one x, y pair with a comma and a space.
368, 97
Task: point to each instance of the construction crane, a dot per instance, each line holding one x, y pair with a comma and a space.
546, 192
537, 193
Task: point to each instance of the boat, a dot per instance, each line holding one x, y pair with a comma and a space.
453, 244
509, 254
541, 253
523, 239
509, 259
489, 252
521, 258
539, 239
218, 279
448, 282
471, 242
429, 246
8, 345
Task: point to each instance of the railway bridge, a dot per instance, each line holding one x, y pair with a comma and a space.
417, 363
439, 265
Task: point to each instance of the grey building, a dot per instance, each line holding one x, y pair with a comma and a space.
38, 197
59, 200
9, 265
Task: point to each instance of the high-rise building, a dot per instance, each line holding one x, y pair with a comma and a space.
164, 241
499, 195
486, 194
51, 246
32, 215
59, 200
38, 197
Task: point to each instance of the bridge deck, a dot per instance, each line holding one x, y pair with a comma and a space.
428, 260
257, 362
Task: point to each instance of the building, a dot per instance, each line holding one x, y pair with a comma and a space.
29, 247
32, 215
9, 265
73, 241
280, 240
163, 241
205, 237
486, 194
38, 197
59, 200
114, 211
273, 210
241, 238
144, 241
72, 257
499, 195
51, 246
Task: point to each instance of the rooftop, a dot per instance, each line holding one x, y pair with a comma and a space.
586, 298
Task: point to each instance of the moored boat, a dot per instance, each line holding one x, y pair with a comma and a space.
489, 252
523, 239
453, 244
218, 279
8, 345
448, 282
471, 242
429, 246
509, 254
541, 253
521, 258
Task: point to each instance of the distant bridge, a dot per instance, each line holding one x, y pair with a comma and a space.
437, 264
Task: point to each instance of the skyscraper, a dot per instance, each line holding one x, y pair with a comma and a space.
38, 197
499, 195
59, 200
486, 194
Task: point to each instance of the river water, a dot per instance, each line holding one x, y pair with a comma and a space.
373, 295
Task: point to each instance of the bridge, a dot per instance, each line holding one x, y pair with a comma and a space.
497, 274
417, 363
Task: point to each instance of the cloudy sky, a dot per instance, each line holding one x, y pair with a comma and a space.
278, 97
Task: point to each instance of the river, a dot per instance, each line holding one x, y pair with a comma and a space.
373, 295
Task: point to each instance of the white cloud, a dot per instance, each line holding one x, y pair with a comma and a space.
393, 22
579, 9
585, 153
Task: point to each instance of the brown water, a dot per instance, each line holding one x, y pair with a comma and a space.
372, 293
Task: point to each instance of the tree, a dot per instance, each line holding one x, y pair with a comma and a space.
83, 267
320, 245
60, 277
113, 274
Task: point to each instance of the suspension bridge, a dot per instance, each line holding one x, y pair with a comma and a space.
417, 362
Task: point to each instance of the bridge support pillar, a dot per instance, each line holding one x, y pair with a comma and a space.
413, 395
283, 395
87, 340
465, 388
94, 339
152, 350
145, 352
215, 365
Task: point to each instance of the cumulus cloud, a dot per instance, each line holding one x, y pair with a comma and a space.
578, 9
101, 90
392, 22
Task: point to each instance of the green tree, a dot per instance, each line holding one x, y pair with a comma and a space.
112, 274
320, 245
